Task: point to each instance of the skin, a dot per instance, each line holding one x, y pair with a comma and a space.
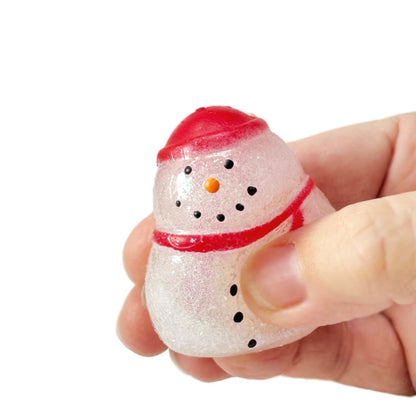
365, 327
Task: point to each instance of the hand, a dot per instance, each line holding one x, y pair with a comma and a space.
352, 273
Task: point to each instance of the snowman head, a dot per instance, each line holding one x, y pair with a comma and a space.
222, 171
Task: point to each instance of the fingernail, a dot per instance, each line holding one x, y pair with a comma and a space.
273, 278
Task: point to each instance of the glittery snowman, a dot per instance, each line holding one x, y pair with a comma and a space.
225, 186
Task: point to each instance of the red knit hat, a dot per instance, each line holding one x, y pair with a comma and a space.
209, 129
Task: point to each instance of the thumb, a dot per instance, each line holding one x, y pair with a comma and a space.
352, 263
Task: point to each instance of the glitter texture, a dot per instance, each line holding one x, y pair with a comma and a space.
193, 298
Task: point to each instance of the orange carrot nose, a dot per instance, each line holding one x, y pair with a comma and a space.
212, 185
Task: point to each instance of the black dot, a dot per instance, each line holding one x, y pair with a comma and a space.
228, 164
188, 170
252, 343
178, 203
197, 214
251, 190
239, 207
238, 317
233, 290
220, 217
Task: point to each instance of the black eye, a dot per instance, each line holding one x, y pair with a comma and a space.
220, 217
228, 164
188, 170
178, 203
197, 214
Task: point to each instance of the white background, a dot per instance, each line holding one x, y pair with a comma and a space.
89, 92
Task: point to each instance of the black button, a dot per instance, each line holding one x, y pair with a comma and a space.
238, 317
252, 343
233, 290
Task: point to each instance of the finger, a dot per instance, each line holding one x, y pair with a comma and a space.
403, 319
203, 369
352, 263
137, 249
363, 353
135, 329
261, 365
339, 160
401, 176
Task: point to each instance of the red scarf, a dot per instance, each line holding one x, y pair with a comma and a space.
203, 243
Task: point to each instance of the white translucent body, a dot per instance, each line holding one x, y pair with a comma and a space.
188, 294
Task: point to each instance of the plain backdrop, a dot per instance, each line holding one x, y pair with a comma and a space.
89, 92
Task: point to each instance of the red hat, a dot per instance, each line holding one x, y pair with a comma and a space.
209, 129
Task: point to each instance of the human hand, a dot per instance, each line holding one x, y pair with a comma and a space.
352, 273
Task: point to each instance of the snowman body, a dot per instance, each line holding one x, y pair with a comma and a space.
213, 209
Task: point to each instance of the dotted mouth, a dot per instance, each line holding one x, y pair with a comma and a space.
219, 217
251, 190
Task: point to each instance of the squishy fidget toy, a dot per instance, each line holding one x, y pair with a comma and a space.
225, 186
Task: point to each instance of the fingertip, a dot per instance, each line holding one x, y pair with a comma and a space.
135, 329
260, 365
202, 368
273, 278
137, 248
272, 285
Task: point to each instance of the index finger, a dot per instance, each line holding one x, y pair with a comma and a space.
137, 249
349, 164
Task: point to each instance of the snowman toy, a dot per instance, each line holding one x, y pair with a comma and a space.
225, 187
